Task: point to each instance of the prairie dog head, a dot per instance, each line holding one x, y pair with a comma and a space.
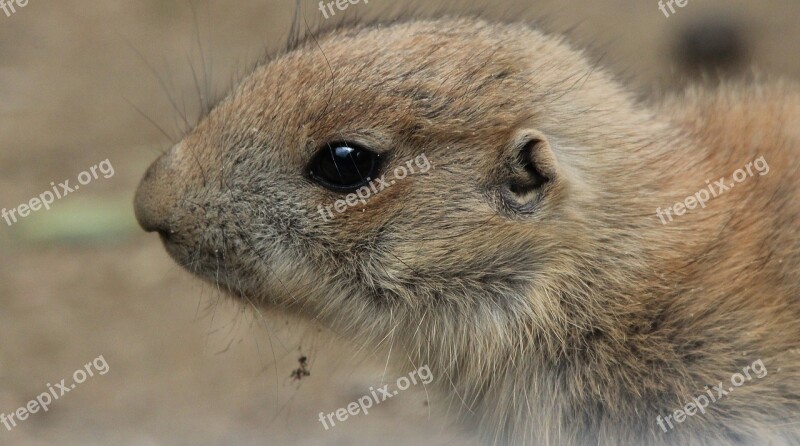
445, 179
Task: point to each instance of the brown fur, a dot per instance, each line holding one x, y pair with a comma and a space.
572, 316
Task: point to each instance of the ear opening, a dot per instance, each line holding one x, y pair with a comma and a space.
532, 164
536, 178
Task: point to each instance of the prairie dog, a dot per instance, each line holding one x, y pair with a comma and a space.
529, 267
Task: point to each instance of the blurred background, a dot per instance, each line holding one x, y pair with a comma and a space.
84, 81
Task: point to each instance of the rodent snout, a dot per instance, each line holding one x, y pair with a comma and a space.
153, 204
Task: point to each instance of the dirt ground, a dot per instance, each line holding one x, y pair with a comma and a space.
186, 365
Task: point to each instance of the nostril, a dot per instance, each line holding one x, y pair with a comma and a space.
165, 234
153, 203
150, 223
146, 209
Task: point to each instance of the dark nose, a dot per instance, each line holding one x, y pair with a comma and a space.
154, 203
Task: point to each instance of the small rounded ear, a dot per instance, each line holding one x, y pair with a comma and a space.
532, 169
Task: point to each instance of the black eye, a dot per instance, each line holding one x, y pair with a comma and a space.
344, 166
